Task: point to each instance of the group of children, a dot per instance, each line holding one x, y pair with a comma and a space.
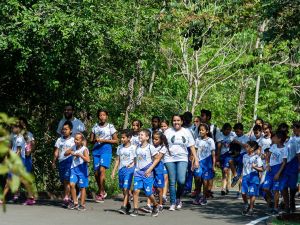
261, 162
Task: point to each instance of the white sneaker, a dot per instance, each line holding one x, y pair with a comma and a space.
178, 204
172, 208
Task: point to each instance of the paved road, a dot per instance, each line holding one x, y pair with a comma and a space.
219, 211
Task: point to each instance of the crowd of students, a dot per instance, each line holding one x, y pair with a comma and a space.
169, 157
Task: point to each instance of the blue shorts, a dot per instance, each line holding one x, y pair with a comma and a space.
64, 169
159, 181
28, 163
224, 160
103, 160
80, 179
271, 184
125, 177
145, 183
204, 173
291, 174
197, 172
250, 189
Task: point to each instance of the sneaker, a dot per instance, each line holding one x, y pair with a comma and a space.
275, 212
235, 180
72, 206
223, 193
227, 192
249, 213
135, 213
194, 194
147, 209
16, 197
128, 207
104, 195
245, 209
160, 208
203, 201
178, 204
197, 201
210, 194
155, 211
99, 199
66, 202
165, 199
29, 201
172, 207
81, 208
123, 210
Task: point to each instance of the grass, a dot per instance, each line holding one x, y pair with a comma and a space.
276, 221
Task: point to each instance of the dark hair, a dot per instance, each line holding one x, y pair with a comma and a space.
155, 117
296, 124
238, 126
257, 128
268, 125
206, 112
24, 121
136, 120
127, 132
165, 121
258, 118
206, 128
100, 111
253, 144
282, 135
70, 104
283, 127
147, 132
187, 118
178, 116
267, 150
68, 123
163, 139
198, 117
226, 126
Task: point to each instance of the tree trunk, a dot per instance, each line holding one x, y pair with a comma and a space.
152, 79
242, 98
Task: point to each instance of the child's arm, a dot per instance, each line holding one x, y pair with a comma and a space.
55, 156
213, 155
117, 162
19, 149
85, 156
157, 159
276, 177
196, 160
257, 168
68, 152
114, 139
219, 146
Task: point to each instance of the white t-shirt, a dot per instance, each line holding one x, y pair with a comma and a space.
18, 141
78, 160
277, 155
248, 160
225, 141
78, 126
204, 147
264, 143
106, 132
144, 156
242, 139
63, 145
126, 155
179, 141
293, 147
135, 140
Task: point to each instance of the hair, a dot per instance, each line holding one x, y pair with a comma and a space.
206, 128
257, 128
206, 112
147, 132
198, 117
226, 126
155, 117
282, 135
178, 116
238, 126
165, 121
267, 150
136, 120
81, 134
268, 125
296, 124
70, 104
100, 111
187, 118
68, 123
283, 127
163, 139
24, 120
253, 144
127, 132
258, 118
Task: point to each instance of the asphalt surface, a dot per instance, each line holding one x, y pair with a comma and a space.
220, 210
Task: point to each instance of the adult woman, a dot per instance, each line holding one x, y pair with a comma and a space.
176, 159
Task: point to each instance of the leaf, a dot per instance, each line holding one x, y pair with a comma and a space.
3, 169
14, 183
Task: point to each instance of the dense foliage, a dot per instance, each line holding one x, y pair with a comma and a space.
145, 58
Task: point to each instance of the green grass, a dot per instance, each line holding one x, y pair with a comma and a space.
282, 222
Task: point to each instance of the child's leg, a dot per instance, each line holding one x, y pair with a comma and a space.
252, 200
268, 195
292, 198
160, 196
286, 200
136, 194
126, 197
198, 184
276, 199
102, 179
205, 188
152, 200
97, 178
73, 193
232, 168
245, 198
67, 188
83, 196
148, 202
165, 189
224, 178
